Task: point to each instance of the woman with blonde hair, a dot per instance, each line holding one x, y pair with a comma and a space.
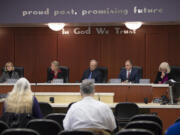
54, 72
164, 73
9, 72
21, 100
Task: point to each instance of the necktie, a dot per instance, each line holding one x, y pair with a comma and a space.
90, 75
129, 74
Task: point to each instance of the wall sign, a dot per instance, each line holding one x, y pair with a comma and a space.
96, 30
88, 11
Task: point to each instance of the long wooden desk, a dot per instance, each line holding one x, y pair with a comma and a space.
69, 97
123, 92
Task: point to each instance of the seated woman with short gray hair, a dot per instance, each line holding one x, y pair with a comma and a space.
164, 73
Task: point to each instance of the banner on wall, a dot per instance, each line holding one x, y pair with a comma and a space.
88, 11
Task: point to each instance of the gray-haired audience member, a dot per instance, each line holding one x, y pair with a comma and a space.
89, 113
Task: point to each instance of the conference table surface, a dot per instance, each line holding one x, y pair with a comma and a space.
123, 92
140, 105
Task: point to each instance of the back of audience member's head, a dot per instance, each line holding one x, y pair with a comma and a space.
87, 87
20, 99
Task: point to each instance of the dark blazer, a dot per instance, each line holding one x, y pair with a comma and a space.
134, 76
5, 76
51, 75
158, 77
96, 74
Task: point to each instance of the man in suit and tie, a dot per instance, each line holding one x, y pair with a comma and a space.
129, 74
92, 72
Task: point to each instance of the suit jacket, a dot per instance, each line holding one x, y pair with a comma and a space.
158, 77
50, 76
5, 76
96, 75
134, 76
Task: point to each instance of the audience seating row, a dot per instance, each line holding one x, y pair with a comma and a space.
126, 114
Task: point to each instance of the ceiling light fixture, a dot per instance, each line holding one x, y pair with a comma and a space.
56, 26
133, 25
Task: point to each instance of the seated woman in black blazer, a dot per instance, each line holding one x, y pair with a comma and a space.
9, 72
54, 72
164, 73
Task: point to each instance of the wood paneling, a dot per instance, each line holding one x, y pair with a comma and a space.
35, 52
35, 48
76, 52
118, 48
122, 93
25, 54
46, 53
6, 46
168, 116
174, 48
158, 50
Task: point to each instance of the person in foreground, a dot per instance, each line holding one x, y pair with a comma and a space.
21, 100
89, 114
129, 74
9, 72
54, 72
164, 73
92, 72
174, 129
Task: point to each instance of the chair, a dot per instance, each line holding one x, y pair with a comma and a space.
3, 126
44, 126
70, 105
16, 120
124, 111
58, 117
19, 131
177, 120
134, 132
46, 108
140, 70
175, 72
148, 117
76, 132
65, 71
104, 72
148, 125
19, 70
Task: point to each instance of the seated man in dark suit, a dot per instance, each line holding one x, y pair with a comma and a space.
92, 72
129, 74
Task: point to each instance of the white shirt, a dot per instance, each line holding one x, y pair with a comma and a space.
89, 113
